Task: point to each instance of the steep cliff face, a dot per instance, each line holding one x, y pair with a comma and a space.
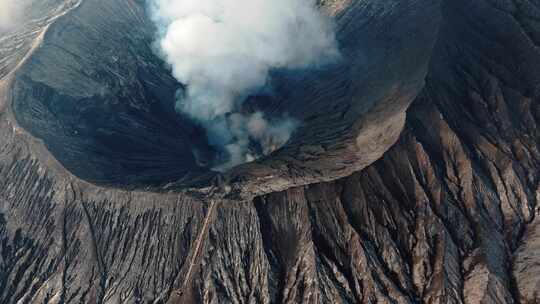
449, 214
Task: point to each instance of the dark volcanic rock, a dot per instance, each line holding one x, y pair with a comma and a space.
353, 112
449, 214
102, 102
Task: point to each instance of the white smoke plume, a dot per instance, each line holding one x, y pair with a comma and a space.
223, 50
11, 12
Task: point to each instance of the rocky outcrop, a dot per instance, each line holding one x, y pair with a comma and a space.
449, 214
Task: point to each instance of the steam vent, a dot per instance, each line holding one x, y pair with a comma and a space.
270, 151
